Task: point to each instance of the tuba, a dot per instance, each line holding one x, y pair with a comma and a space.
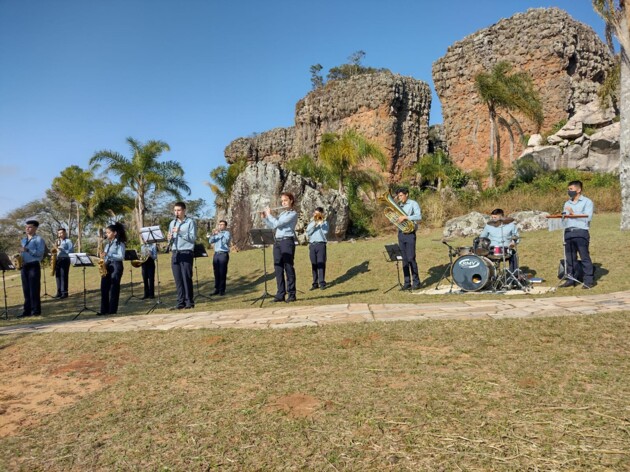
392, 212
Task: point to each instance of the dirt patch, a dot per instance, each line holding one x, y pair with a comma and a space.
212, 340
296, 405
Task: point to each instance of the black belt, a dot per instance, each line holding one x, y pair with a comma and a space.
575, 229
282, 239
221, 252
185, 251
319, 242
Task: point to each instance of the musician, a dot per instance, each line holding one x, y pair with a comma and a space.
407, 241
221, 239
182, 233
284, 247
316, 231
502, 234
576, 234
32, 248
113, 255
62, 266
148, 252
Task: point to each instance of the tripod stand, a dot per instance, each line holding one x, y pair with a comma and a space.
199, 251
131, 255
45, 294
262, 237
82, 260
452, 252
392, 254
153, 234
5, 264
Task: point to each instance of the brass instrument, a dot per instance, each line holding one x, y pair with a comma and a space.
393, 211
53, 259
318, 217
17, 260
102, 267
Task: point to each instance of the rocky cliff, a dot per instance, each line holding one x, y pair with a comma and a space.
566, 59
388, 109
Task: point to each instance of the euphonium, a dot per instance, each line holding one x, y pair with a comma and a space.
138, 262
392, 212
53, 260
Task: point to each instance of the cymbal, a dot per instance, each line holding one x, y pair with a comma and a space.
500, 221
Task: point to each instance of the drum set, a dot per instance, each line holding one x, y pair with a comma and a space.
482, 267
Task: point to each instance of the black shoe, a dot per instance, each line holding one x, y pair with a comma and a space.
64, 296
57, 296
322, 287
102, 314
567, 284
216, 292
405, 287
189, 307
23, 315
277, 300
39, 313
222, 294
144, 298
291, 299
314, 287
176, 308
416, 287
587, 287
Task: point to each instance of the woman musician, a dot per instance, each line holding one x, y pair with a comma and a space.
113, 255
284, 247
148, 253
62, 266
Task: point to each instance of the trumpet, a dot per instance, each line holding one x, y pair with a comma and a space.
271, 209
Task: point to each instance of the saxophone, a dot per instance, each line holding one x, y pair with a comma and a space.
102, 268
53, 259
392, 212
17, 260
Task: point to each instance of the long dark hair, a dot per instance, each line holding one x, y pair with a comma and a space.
119, 229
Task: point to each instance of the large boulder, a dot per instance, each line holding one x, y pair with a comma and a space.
464, 226
530, 220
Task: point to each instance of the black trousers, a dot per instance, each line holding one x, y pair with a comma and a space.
317, 254
283, 260
31, 285
220, 262
182, 267
577, 242
407, 244
110, 288
148, 277
62, 271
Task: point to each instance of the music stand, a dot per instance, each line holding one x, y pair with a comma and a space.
49, 256
153, 234
445, 275
264, 238
131, 255
199, 250
81, 259
5, 264
393, 254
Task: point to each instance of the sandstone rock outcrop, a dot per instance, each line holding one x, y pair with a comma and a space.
390, 110
566, 59
471, 224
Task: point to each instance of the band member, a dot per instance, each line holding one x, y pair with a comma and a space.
316, 231
148, 251
182, 233
284, 247
407, 241
113, 255
576, 234
62, 266
32, 251
221, 240
503, 236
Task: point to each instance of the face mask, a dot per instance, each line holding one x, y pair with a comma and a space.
572, 193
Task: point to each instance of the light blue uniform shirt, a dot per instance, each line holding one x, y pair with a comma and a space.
317, 232
148, 250
500, 235
114, 251
284, 224
184, 239
583, 206
412, 210
35, 248
64, 249
221, 241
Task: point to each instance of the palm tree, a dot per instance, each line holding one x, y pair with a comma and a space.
223, 179
501, 89
617, 17
142, 173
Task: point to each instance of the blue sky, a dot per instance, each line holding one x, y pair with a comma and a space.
78, 76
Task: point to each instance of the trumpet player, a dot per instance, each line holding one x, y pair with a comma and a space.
113, 254
284, 247
182, 233
62, 266
221, 239
148, 253
31, 249
407, 241
317, 231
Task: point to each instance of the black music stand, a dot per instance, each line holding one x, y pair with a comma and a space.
49, 256
5, 264
131, 255
392, 254
263, 238
199, 250
153, 234
81, 259
452, 252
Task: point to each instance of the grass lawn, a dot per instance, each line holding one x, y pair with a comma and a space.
512, 394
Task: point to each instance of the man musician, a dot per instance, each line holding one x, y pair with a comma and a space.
62, 265
503, 236
221, 239
32, 250
182, 233
407, 241
317, 231
148, 253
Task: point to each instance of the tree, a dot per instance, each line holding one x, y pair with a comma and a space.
223, 179
142, 173
317, 80
616, 15
352, 68
501, 89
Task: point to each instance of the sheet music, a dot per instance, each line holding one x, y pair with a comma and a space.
152, 234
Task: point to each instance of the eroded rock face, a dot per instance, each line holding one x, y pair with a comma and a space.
260, 185
388, 109
566, 59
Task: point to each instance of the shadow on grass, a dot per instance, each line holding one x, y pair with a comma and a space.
341, 294
358, 269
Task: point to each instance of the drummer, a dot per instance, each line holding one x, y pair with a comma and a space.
503, 236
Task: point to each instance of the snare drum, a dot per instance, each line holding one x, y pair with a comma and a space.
499, 252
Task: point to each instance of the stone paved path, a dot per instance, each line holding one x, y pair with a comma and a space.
291, 316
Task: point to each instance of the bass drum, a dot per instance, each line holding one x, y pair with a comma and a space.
472, 273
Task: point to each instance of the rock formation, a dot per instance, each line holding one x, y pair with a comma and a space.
471, 224
388, 109
566, 59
